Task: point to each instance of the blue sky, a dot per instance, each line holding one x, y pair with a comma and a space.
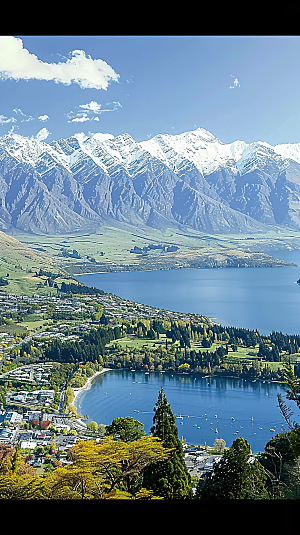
245, 88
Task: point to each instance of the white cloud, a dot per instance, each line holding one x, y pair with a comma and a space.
43, 117
10, 133
19, 64
17, 111
42, 134
236, 83
4, 120
80, 119
92, 106
116, 105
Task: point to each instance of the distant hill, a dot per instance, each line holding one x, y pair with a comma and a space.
192, 179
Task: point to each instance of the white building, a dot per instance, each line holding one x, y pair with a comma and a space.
28, 445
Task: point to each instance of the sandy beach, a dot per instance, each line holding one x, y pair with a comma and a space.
87, 385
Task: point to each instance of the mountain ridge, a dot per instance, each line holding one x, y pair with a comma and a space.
191, 179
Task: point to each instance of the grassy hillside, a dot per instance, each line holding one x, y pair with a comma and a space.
19, 264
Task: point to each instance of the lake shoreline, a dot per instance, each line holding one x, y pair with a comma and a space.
87, 385
174, 268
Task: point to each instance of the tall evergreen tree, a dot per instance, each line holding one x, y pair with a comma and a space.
169, 479
234, 477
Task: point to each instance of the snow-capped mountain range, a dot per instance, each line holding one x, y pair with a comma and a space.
192, 179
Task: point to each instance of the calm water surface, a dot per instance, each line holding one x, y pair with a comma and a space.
205, 404
254, 298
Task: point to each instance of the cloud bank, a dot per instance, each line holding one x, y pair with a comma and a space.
19, 64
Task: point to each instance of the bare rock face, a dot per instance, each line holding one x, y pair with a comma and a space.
168, 181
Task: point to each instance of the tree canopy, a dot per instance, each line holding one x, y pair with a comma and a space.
99, 470
126, 428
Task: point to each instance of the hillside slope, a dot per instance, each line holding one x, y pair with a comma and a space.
19, 265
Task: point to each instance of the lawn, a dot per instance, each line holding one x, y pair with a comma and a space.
34, 325
138, 343
12, 328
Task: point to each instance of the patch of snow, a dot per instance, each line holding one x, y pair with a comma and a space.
80, 136
102, 137
289, 150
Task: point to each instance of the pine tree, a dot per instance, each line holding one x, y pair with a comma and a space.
169, 479
234, 477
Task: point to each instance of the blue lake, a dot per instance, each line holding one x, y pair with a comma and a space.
254, 298
205, 404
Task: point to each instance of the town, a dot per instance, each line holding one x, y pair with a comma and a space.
35, 417
36, 394
51, 347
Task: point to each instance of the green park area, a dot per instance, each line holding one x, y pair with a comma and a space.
241, 355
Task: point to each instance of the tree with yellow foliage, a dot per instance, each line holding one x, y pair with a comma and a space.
100, 470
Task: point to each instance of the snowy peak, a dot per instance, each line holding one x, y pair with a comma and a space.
201, 148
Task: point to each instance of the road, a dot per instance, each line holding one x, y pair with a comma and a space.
61, 401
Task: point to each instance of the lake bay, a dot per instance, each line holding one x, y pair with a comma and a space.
205, 404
